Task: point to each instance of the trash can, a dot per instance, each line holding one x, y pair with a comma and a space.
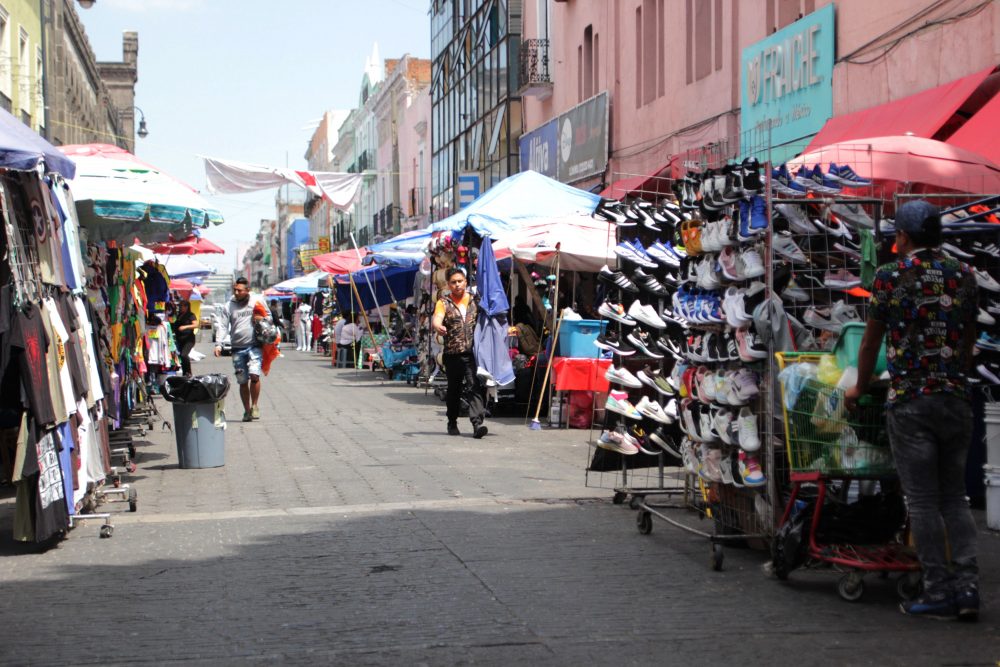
199, 419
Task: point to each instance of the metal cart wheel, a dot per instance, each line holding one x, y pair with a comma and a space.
635, 501
133, 500
909, 585
851, 587
644, 520
717, 557
107, 531
619, 497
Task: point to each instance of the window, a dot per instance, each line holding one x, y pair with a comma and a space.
703, 19
5, 57
40, 97
23, 72
638, 57
588, 63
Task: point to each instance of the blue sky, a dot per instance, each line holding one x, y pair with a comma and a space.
247, 80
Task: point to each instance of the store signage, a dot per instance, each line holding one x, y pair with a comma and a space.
571, 147
470, 186
787, 83
324, 244
538, 149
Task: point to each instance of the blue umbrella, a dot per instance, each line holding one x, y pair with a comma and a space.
491, 326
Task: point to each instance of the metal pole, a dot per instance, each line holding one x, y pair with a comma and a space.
370, 288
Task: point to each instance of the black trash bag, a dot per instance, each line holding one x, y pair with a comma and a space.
790, 545
198, 389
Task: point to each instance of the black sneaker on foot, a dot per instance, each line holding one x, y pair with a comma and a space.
480, 431
453, 429
967, 604
938, 608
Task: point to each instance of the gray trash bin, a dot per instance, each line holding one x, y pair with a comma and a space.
200, 429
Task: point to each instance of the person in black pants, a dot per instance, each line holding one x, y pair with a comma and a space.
185, 327
455, 319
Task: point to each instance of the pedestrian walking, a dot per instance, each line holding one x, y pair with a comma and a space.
237, 322
455, 320
925, 304
185, 327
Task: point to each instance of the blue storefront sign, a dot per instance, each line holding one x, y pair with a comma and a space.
787, 85
539, 149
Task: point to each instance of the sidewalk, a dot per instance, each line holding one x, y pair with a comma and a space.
347, 528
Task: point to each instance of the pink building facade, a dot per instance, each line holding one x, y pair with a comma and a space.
675, 71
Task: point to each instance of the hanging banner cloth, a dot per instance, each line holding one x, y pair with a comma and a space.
231, 177
339, 262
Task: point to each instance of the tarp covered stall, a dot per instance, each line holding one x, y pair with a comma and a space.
516, 199
307, 284
389, 283
22, 149
184, 266
340, 261
586, 244
405, 250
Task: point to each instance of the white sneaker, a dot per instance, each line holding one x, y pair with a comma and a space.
797, 219
753, 266
986, 281
785, 246
653, 410
708, 279
722, 420
622, 376
747, 424
645, 314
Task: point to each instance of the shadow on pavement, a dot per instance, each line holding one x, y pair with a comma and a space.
515, 583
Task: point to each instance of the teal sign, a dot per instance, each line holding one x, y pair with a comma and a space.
787, 85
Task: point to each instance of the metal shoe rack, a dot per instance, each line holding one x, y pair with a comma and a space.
736, 510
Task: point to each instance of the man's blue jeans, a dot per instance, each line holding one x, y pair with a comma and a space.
930, 442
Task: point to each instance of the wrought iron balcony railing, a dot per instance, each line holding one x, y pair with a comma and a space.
534, 69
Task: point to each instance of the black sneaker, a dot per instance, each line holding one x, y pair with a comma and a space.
751, 176
642, 342
942, 609
967, 604
664, 441
609, 341
453, 429
649, 283
617, 279
479, 431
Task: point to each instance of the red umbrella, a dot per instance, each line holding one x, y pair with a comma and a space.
192, 245
182, 287
907, 163
340, 262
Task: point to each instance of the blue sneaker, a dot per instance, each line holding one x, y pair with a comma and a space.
780, 181
758, 213
821, 183
967, 604
942, 609
745, 212
844, 174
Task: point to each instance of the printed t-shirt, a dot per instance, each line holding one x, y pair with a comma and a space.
32, 342
58, 354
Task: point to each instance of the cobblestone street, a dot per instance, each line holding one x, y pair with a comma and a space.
346, 528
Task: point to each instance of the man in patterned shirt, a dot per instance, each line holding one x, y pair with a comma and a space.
924, 304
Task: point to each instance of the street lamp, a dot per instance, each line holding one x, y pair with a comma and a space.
86, 4
143, 132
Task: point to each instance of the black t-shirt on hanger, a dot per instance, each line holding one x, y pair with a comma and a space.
30, 346
74, 352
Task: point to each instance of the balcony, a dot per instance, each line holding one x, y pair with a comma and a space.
534, 69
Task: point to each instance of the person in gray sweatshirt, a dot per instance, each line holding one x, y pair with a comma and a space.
236, 326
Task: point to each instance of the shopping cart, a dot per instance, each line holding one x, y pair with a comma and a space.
827, 443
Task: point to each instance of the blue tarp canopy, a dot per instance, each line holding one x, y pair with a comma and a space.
387, 282
21, 148
516, 199
405, 250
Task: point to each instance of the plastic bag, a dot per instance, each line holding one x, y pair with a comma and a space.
198, 389
828, 372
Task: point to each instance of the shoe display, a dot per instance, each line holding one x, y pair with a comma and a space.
846, 176
986, 281
749, 441
615, 442
617, 279
750, 471
663, 440
643, 343
615, 311
609, 341
844, 279
622, 376
785, 246
653, 410
646, 315
618, 402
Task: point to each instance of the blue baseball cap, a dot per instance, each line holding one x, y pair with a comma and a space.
910, 217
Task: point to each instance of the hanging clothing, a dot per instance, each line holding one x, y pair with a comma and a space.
59, 341
31, 342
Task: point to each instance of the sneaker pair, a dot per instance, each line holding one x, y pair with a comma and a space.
617, 441
611, 342
622, 376
617, 279
749, 347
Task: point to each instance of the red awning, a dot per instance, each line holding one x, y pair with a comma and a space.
339, 262
979, 133
654, 185
921, 115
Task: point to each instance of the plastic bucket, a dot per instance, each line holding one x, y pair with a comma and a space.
992, 481
200, 430
576, 338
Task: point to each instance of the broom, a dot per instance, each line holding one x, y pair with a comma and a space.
535, 424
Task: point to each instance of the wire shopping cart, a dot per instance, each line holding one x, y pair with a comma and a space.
827, 443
